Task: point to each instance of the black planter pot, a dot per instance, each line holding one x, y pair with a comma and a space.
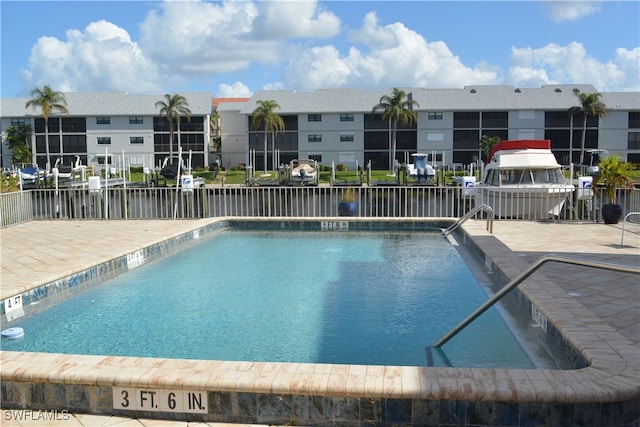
611, 214
347, 209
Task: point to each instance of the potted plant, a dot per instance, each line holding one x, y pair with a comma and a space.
613, 173
348, 205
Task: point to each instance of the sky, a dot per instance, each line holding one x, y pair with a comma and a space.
234, 48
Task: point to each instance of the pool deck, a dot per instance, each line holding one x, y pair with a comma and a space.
40, 252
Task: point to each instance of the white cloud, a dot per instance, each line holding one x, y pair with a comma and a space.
393, 55
571, 64
571, 10
295, 19
273, 86
194, 37
102, 57
197, 37
236, 90
183, 42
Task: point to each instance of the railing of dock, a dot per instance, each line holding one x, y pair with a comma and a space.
272, 202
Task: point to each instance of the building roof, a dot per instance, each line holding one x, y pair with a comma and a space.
218, 101
469, 98
108, 104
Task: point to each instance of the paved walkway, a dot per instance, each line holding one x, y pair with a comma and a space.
41, 251
611, 296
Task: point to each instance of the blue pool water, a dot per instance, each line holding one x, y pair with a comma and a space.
320, 297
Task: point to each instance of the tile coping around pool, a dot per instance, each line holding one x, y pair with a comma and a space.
606, 390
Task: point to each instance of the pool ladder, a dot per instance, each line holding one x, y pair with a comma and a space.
470, 214
521, 278
624, 221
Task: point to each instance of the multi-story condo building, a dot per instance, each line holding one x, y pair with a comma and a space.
117, 126
332, 125
339, 126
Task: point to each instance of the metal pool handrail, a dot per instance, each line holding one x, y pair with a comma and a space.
528, 272
468, 215
623, 222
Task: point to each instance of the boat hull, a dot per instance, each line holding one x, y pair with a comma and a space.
524, 202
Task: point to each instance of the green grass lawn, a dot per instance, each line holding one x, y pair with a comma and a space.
238, 177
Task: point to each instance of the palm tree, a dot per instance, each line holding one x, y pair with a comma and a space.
265, 117
590, 106
18, 138
396, 108
486, 144
174, 108
49, 102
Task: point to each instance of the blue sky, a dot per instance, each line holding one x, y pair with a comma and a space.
233, 48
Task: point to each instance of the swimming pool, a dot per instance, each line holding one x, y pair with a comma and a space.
369, 298
601, 392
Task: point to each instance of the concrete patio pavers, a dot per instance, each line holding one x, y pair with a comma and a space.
611, 296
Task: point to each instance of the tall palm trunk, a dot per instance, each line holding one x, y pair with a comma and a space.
265, 148
46, 144
393, 147
582, 141
170, 141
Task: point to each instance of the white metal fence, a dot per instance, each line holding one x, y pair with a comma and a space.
15, 208
167, 203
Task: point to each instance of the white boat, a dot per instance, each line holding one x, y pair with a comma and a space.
31, 175
419, 170
304, 171
522, 179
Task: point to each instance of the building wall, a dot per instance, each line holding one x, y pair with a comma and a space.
234, 130
434, 135
439, 136
121, 131
118, 107
614, 131
331, 148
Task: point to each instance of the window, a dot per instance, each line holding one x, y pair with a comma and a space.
374, 121
53, 124
314, 138
346, 137
634, 120
559, 119
316, 157
101, 159
136, 120
634, 141
74, 143
495, 119
466, 119
314, 118
103, 120
526, 114
466, 140
435, 136
136, 140
346, 117
346, 157
74, 124
104, 140
435, 115
17, 122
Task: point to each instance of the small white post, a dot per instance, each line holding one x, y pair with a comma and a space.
106, 183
